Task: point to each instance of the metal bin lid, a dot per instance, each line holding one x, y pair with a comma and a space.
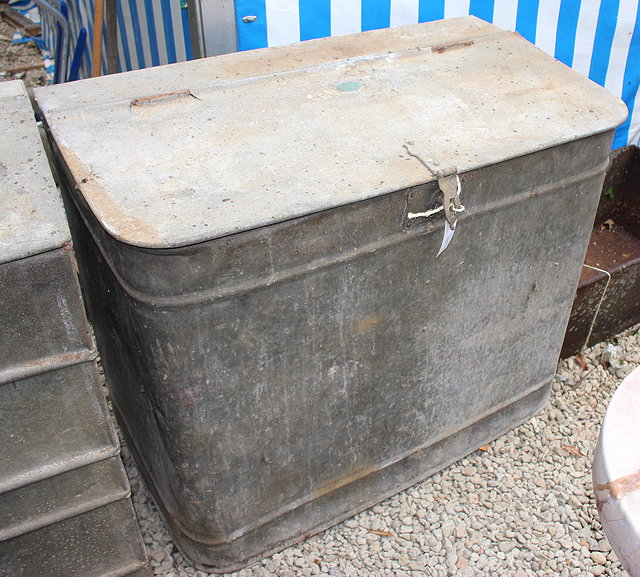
180, 154
32, 219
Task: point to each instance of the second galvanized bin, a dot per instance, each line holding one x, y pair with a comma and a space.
65, 508
258, 236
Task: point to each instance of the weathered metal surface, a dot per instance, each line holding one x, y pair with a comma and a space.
614, 247
212, 24
103, 542
274, 381
51, 423
45, 365
31, 215
250, 64
42, 319
62, 496
278, 392
235, 155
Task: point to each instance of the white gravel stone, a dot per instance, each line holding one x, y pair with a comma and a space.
524, 507
506, 546
157, 555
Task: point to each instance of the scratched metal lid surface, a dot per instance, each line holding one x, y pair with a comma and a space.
179, 154
32, 219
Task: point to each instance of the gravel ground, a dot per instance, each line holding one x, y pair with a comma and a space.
522, 505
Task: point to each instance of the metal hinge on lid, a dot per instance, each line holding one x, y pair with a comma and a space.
449, 184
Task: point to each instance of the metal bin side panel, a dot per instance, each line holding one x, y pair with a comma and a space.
247, 406
43, 323
361, 493
188, 274
104, 542
52, 423
62, 496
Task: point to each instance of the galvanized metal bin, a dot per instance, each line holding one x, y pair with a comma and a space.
64, 496
283, 347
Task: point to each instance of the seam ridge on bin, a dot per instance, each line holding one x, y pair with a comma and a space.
403, 456
47, 471
64, 245
71, 511
46, 365
211, 295
126, 570
104, 533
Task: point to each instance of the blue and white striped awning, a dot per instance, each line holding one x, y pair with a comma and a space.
599, 39
152, 32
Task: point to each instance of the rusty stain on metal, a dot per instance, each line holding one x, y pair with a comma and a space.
366, 324
336, 483
618, 488
444, 47
101, 201
162, 98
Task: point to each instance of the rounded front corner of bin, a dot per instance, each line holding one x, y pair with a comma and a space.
598, 111
619, 111
115, 219
616, 473
212, 552
227, 557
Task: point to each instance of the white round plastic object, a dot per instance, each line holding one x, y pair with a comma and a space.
616, 473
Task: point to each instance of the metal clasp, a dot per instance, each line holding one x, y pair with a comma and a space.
449, 184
